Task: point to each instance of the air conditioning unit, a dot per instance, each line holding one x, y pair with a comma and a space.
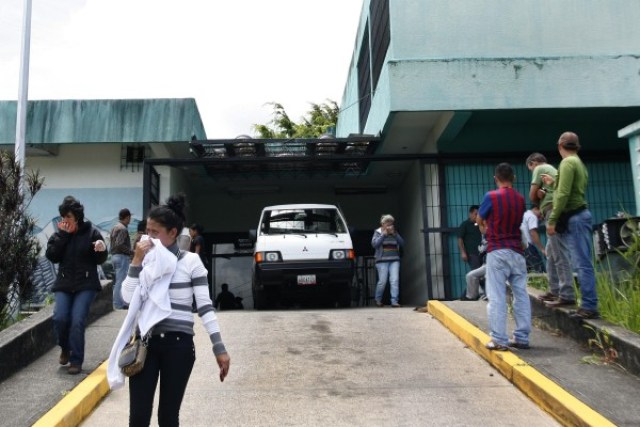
616, 235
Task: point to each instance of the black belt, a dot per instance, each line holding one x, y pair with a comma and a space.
170, 334
574, 211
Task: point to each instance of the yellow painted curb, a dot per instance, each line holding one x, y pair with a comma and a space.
563, 406
79, 402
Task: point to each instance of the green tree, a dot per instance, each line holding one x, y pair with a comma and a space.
19, 248
320, 119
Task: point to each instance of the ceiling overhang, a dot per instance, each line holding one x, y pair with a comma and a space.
312, 157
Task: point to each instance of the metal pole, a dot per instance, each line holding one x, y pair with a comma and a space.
21, 123
21, 120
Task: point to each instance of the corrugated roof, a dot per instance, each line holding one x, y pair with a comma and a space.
104, 120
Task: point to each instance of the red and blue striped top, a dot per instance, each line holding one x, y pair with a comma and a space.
502, 209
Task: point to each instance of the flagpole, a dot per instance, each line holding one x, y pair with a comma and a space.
21, 119
21, 125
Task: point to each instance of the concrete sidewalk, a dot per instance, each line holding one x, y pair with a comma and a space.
552, 373
31, 392
44, 394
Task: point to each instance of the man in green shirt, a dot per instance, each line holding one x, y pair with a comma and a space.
570, 210
559, 272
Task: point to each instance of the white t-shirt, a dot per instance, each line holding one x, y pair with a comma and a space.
529, 222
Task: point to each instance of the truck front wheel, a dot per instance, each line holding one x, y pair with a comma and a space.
259, 299
344, 295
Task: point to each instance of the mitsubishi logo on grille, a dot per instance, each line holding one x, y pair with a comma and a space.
305, 249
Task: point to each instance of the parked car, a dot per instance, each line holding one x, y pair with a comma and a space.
302, 251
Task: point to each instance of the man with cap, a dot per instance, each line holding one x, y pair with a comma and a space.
571, 216
120, 255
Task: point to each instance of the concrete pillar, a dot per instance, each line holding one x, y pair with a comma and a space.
632, 133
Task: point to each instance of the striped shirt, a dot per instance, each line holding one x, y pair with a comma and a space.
387, 248
189, 280
503, 209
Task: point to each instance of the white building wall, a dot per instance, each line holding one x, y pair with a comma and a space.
91, 173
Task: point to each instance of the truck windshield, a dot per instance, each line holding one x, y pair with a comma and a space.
294, 221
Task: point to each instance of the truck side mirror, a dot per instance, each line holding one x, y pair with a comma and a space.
253, 235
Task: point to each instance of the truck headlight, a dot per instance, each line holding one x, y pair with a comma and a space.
341, 254
273, 256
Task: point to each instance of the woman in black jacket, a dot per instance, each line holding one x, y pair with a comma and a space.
78, 248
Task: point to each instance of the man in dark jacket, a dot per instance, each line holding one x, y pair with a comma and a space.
120, 255
77, 247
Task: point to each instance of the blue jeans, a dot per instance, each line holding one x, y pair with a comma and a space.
534, 260
70, 320
388, 271
506, 265
121, 268
579, 239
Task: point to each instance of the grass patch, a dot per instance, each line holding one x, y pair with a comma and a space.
618, 296
619, 301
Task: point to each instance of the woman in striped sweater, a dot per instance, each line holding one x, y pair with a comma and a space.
171, 352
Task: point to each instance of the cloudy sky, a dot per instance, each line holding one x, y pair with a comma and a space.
233, 57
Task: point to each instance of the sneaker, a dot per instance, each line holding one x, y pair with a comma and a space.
548, 296
582, 314
519, 345
465, 298
74, 369
64, 357
560, 302
484, 298
396, 305
379, 304
496, 347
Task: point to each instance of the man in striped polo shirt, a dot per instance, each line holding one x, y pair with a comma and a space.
500, 216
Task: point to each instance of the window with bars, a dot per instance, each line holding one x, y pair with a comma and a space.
132, 157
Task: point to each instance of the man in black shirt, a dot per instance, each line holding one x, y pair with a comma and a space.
469, 239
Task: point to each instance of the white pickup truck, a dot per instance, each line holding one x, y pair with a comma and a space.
302, 251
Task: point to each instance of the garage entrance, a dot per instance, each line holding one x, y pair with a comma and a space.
228, 182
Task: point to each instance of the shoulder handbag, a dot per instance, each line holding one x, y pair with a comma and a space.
134, 353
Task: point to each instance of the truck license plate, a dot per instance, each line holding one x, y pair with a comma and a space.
307, 279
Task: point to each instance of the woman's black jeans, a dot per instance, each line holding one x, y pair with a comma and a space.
170, 357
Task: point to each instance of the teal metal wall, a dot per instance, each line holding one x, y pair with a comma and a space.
610, 190
104, 120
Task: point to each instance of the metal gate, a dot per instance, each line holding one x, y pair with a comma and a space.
150, 188
451, 186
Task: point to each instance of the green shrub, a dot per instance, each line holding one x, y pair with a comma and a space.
18, 247
619, 290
